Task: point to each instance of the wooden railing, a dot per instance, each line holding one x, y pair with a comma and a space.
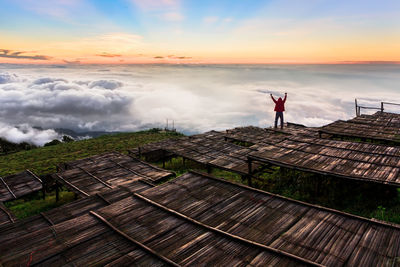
382, 108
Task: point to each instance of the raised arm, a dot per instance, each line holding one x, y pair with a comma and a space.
273, 99
284, 100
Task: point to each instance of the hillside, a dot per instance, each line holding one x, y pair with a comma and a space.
44, 160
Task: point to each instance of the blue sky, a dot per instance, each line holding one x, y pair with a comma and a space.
206, 31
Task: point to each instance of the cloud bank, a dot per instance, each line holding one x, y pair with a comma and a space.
198, 98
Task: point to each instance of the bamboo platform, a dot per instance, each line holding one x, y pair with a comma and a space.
213, 153
68, 211
5, 215
208, 149
197, 219
18, 185
104, 172
155, 151
381, 126
350, 160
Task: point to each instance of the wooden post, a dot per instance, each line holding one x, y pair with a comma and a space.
57, 192
44, 191
355, 100
250, 171
382, 107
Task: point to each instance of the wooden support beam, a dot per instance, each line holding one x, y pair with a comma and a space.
209, 169
95, 177
71, 185
57, 191
227, 234
139, 244
250, 171
8, 188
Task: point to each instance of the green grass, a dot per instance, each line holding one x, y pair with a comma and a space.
35, 203
44, 160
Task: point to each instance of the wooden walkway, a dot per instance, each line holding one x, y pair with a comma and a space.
69, 211
381, 126
350, 160
103, 172
18, 185
201, 220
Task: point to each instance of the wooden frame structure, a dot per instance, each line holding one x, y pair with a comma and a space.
208, 149
349, 160
68, 211
199, 219
106, 171
381, 126
18, 185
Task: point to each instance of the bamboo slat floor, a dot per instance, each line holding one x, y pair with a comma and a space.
318, 234
209, 149
104, 172
350, 160
18, 185
5, 215
68, 211
197, 219
381, 126
155, 149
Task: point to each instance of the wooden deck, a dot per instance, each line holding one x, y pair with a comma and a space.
197, 219
350, 160
381, 126
104, 172
18, 185
68, 211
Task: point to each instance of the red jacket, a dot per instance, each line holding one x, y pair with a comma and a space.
279, 104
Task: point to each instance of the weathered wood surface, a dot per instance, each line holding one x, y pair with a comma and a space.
18, 185
136, 232
104, 172
380, 126
321, 235
208, 148
67, 212
196, 220
351, 160
6, 215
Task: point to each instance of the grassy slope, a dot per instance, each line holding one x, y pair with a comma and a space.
44, 160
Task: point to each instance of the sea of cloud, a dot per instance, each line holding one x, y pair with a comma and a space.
196, 97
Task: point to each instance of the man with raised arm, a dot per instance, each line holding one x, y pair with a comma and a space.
279, 109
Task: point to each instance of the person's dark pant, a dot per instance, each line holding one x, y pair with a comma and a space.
277, 116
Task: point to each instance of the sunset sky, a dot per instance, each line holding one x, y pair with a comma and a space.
199, 31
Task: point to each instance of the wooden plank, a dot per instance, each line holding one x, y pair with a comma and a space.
226, 234
73, 187
139, 244
8, 188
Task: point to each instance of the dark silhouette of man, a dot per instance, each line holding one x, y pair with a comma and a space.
279, 109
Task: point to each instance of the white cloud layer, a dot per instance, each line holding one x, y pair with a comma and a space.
197, 98
25, 133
